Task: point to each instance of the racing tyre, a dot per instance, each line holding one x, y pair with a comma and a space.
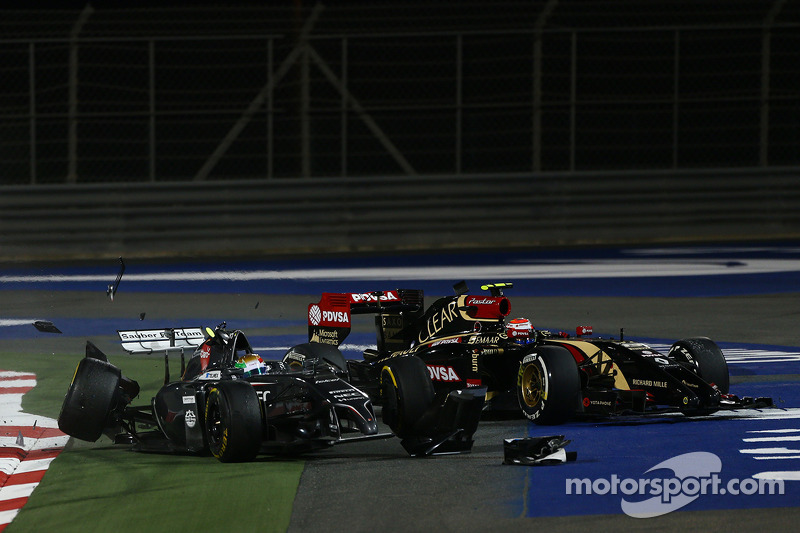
548, 385
309, 350
706, 359
90, 400
233, 421
406, 393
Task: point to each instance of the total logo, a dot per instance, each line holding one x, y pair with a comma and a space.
443, 373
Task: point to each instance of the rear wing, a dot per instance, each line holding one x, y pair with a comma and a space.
329, 320
141, 341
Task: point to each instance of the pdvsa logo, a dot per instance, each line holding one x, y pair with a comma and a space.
335, 316
443, 373
390, 296
314, 315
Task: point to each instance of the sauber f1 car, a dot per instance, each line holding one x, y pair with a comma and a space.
231, 402
465, 341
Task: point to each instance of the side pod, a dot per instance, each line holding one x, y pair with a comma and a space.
447, 428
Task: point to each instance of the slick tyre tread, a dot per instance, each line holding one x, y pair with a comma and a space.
548, 385
407, 393
707, 359
233, 421
90, 399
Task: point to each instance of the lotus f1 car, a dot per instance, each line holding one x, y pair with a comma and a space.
465, 341
234, 404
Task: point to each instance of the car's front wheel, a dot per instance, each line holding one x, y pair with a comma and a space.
233, 421
548, 385
706, 360
91, 398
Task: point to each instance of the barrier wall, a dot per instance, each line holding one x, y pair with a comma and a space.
320, 216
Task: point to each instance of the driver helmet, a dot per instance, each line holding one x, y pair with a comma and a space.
252, 365
520, 330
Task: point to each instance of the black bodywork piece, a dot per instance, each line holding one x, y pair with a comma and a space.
464, 341
237, 411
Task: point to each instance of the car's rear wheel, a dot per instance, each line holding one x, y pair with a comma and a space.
705, 359
548, 385
233, 421
90, 399
406, 393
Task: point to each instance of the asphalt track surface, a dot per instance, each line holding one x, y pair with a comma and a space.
374, 485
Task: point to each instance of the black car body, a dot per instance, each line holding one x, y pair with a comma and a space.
463, 341
287, 406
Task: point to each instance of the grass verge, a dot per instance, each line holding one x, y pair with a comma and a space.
102, 487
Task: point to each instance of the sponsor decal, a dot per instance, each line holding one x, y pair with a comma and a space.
191, 419
487, 339
214, 375
481, 301
188, 400
142, 335
649, 383
454, 340
205, 355
389, 296
340, 317
443, 373
294, 356
262, 394
160, 334
314, 315
325, 336
317, 316
439, 320
474, 383
390, 321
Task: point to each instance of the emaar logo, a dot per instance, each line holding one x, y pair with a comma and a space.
692, 475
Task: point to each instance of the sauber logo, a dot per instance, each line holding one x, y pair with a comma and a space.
443, 373
390, 296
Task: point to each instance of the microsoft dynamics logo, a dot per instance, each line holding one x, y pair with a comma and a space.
693, 475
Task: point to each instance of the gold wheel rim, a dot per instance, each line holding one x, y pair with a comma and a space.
532, 385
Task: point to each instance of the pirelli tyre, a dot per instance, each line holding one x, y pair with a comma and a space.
90, 401
705, 358
233, 421
406, 393
548, 385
